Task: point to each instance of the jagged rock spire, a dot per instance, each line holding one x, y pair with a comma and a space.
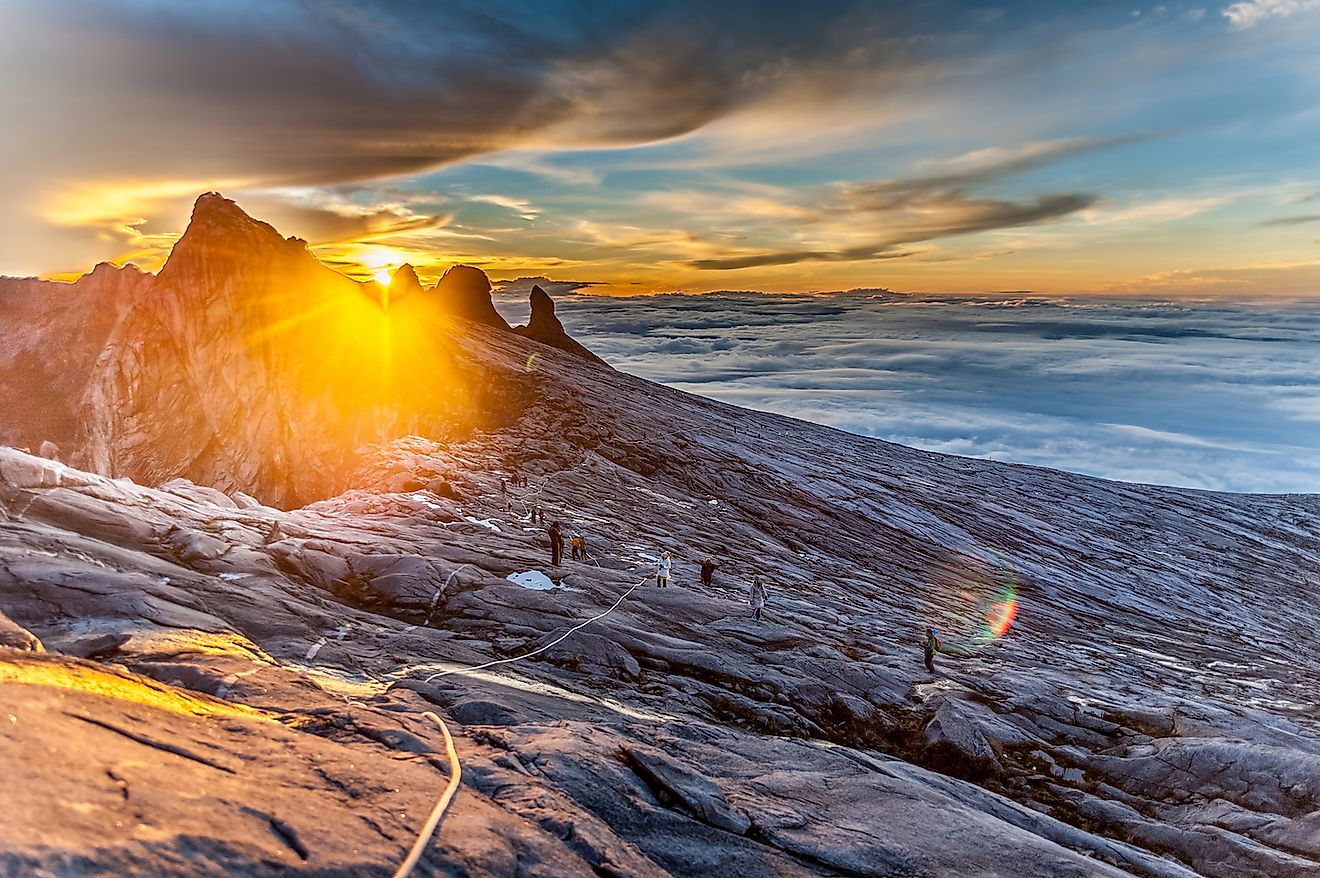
544, 326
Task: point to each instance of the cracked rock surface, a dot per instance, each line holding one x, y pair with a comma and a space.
195, 682
231, 687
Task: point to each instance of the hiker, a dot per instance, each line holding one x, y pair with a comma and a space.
662, 575
757, 597
556, 544
708, 572
579, 546
931, 645
538, 514
504, 486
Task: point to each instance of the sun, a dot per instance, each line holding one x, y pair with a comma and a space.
383, 277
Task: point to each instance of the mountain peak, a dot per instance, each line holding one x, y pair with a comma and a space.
109, 269
464, 291
404, 282
543, 317
212, 206
219, 222
544, 326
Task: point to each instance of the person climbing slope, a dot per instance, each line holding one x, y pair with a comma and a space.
708, 572
931, 644
556, 544
758, 597
662, 575
578, 543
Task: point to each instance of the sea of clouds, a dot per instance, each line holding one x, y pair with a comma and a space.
1215, 395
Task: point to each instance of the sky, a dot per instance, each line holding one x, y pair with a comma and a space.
1108, 149
1214, 394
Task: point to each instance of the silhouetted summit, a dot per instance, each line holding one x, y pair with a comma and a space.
248, 365
464, 291
404, 283
544, 326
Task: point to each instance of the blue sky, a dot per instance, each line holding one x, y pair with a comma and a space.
1106, 148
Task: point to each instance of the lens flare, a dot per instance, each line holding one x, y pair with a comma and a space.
971, 600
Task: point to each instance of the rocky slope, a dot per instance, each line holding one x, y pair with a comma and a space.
226, 687
244, 364
54, 335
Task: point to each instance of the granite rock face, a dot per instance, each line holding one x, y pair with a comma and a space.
54, 334
246, 364
197, 682
403, 283
1148, 714
464, 291
544, 326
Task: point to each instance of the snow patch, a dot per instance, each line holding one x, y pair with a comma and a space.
533, 579
423, 501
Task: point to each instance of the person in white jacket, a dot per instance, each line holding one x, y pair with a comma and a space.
757, 597
662, 575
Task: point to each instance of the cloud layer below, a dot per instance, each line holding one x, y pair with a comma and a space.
1220, 396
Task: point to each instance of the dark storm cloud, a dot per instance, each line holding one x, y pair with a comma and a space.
329, 91
102, 100
1210, 395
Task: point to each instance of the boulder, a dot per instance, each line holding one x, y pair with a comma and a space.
677, 784
957, 734
15, 636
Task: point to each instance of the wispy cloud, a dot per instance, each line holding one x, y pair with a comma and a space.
521, 207
665, 141
279, 94
990, 163
1296, 220
1154, 212
892, 213
1250, 13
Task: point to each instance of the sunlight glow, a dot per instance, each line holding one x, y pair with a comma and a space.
35, 670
